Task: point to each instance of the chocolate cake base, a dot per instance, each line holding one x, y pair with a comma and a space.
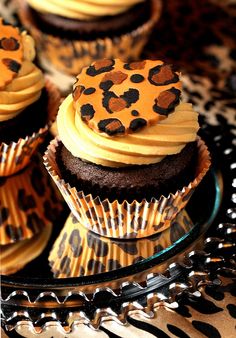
129, 183
89, 30
30, 120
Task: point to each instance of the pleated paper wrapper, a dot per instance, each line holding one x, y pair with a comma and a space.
29, 202
125, 220
70, 56
80, 252
16, 255
16, 155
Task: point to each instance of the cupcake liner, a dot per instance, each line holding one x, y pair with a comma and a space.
70, 56
28, 203
15, 256
80, 252
16, 155
125, 220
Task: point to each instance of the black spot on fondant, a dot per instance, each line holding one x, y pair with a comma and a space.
75, 243
165, 111
105, 67
87, 112
137, 124
89, 91
13, 65
111, 126
106, 98
134, 113
165, 80
130, 96
136, 78
6, 23
106, 85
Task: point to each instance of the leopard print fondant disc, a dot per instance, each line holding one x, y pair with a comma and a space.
119, 98
11, 52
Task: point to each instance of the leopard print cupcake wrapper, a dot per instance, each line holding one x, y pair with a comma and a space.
23, 251
16, 155
70, 56
79, 252
126, 220
28, 203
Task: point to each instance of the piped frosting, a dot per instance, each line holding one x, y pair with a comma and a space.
21, 81
169, 123
83, 9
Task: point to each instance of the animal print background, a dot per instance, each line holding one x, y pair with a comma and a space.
198, 36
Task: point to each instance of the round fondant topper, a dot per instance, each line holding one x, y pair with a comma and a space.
118, 98
11, 52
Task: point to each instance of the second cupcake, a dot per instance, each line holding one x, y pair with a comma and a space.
27, 101
129, 157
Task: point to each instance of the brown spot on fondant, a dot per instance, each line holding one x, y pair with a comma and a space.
11, 64
166, 101
9, 44
116, 104
135, 65
102, 64
78, 90
115, 77
111, 126
162, 75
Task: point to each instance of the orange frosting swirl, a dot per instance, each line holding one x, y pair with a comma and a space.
149, 145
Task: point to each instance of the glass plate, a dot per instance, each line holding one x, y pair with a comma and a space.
191, 260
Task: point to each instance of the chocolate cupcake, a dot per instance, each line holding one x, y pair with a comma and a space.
129, 157
27, 102
71, 35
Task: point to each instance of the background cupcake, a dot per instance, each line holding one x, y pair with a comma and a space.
27, 101
129, 152
73, 34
